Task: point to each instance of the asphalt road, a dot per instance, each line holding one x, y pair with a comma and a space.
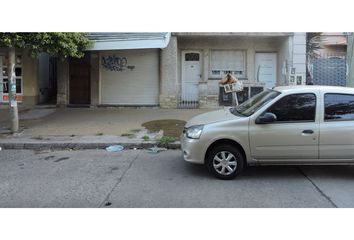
135, 178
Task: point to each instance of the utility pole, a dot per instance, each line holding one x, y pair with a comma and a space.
12, 90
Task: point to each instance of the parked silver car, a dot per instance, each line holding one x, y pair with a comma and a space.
284, 125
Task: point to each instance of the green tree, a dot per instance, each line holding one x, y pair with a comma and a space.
61, 44
313, 44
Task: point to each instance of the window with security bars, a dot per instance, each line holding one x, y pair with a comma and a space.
223, 62
18, 71
192, 57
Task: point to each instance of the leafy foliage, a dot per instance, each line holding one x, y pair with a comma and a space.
146, 138
165, 140
63, 44
313, 43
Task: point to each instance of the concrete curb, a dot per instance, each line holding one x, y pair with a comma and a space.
81, 145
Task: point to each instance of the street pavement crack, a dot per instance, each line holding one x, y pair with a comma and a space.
317, 188
103, 203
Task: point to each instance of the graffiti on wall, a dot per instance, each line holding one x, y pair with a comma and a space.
114, 63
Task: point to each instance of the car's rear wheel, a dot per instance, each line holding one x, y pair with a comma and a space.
225, 161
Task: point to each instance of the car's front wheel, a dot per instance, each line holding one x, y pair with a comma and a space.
225, 161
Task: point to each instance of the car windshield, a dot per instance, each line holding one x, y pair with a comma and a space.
250, 106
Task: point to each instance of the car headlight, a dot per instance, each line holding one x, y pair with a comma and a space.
194, 131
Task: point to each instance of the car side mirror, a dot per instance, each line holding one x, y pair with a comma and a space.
266, 118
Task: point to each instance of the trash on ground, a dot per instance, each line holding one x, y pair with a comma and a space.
155, 150
108, 204
115, 148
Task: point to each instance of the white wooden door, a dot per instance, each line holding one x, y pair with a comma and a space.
266, 69
1, 81
191, 75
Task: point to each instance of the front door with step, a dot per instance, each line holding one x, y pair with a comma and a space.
80, 90
191, 75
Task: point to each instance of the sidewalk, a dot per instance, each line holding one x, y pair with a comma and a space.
85, 128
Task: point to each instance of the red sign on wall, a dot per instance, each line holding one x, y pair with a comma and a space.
5, 98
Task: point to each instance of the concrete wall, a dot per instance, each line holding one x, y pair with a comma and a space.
63, 82
30, 80
299, 52
169, 82
284, 61
95, 78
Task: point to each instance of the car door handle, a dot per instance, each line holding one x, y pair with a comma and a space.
307, 131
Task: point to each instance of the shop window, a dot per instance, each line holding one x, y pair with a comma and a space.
18, 71
223, 62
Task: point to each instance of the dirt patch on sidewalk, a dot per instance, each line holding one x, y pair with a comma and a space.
170, 127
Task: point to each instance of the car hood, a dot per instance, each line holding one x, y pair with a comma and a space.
212, 117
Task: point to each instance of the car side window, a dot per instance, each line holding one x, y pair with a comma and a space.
295, 107
338, 107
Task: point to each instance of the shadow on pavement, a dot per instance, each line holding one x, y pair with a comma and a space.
280, 172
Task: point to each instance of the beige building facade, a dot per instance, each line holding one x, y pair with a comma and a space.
27, 92
193, 63
167, 70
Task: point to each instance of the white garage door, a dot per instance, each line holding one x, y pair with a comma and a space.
129, 77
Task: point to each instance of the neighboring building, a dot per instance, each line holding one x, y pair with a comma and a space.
121, 69
333, 44
178, 70
330, 67
26, 78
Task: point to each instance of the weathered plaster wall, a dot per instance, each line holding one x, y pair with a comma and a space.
284, 61
63, 82
299, 52
30, 80
168, 75
95, 75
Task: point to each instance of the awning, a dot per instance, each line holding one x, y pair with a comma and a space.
130, 40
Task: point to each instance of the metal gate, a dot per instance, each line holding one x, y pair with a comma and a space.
185, 101
330, 70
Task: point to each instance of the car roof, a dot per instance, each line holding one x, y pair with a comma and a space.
303, 88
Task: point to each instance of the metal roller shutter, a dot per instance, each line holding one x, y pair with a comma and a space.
129, 77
